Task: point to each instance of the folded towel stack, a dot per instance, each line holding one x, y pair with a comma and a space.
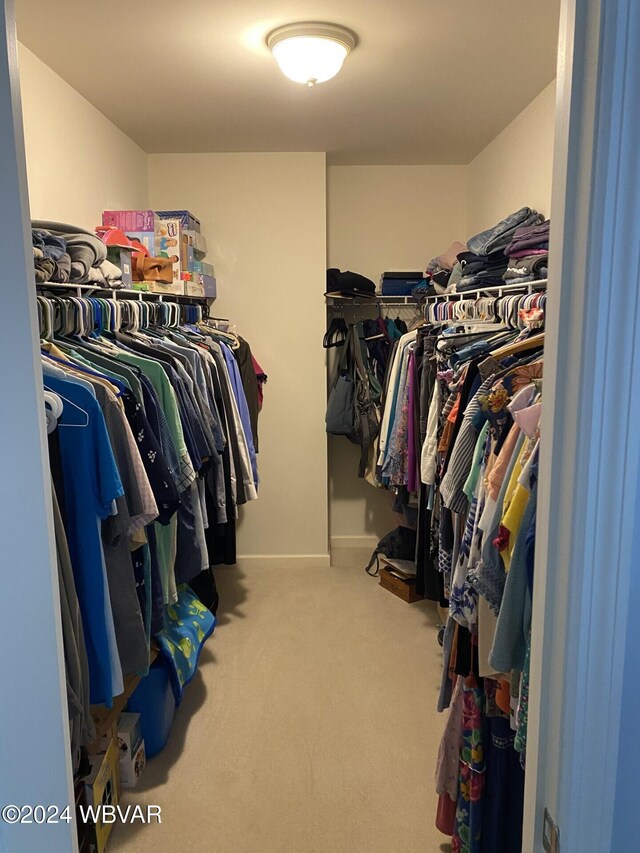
67, 254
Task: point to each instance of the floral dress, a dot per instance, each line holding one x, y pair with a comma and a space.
468, 823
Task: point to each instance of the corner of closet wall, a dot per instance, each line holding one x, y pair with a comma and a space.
264, 217
515, 169
381, 218
78, 162
398, 217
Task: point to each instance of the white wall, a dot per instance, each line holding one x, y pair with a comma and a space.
393, 217
264, 219
515, 168
78, 162
382, 218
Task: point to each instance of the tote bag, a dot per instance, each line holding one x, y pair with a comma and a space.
340, 407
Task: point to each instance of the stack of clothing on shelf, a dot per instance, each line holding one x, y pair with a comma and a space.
69, 254
481, 270
484, 260
484, 264
151, 456
445, 270
528, 253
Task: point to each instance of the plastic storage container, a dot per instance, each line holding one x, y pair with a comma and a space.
153, 700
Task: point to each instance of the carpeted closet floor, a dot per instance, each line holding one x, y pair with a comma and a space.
310, 726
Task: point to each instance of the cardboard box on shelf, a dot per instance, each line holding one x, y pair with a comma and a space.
193, 288
145, 238
187, 219
168, 243
164, 287
102, 787
130, 220
196, 241
123, 258
210, 286
201, 267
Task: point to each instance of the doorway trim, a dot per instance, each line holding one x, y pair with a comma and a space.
590, 452
34, 736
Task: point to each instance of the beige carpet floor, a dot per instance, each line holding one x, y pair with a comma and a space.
309, 728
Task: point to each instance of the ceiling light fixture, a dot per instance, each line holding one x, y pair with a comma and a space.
311, 53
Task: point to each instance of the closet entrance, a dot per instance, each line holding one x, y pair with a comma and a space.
583, 637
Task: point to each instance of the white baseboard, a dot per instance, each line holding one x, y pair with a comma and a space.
283, 561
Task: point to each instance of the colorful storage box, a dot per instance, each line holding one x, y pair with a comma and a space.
168, 244
130, 220
210, 286
187, 219
201, 267
146, 238
196, 241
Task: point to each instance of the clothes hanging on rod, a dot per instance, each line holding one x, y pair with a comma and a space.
476, 537
457, 447
151, 455
479, 464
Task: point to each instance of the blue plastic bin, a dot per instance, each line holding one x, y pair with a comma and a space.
153, 700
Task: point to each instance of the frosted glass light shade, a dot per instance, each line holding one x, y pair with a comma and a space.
310, 53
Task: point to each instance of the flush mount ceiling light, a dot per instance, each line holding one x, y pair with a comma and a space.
310, 53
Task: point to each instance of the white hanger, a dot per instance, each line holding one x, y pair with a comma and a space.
53, 407
74, 406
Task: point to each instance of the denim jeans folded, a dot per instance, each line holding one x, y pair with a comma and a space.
498, 238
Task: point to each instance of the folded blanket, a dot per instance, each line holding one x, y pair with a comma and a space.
542, 249
187, 625
454, 278
111, 271
526, 237
473, 264
51, 246
44, 267
498, 237
448, 259
85, 249
62, 270
529, 267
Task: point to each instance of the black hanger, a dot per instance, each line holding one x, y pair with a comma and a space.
336, 334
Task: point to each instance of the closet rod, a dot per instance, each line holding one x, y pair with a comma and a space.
407, 301
494, 290
117, 292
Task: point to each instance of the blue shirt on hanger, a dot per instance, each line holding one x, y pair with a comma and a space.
91, 485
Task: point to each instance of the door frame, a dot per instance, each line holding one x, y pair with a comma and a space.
34, 735
590, 452
589, 466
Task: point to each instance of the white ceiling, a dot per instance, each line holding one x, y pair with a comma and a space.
431, 81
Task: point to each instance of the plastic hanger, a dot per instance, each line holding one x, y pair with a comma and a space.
74, 406
336, 334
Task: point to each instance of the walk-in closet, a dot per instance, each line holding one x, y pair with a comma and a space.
319, 429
